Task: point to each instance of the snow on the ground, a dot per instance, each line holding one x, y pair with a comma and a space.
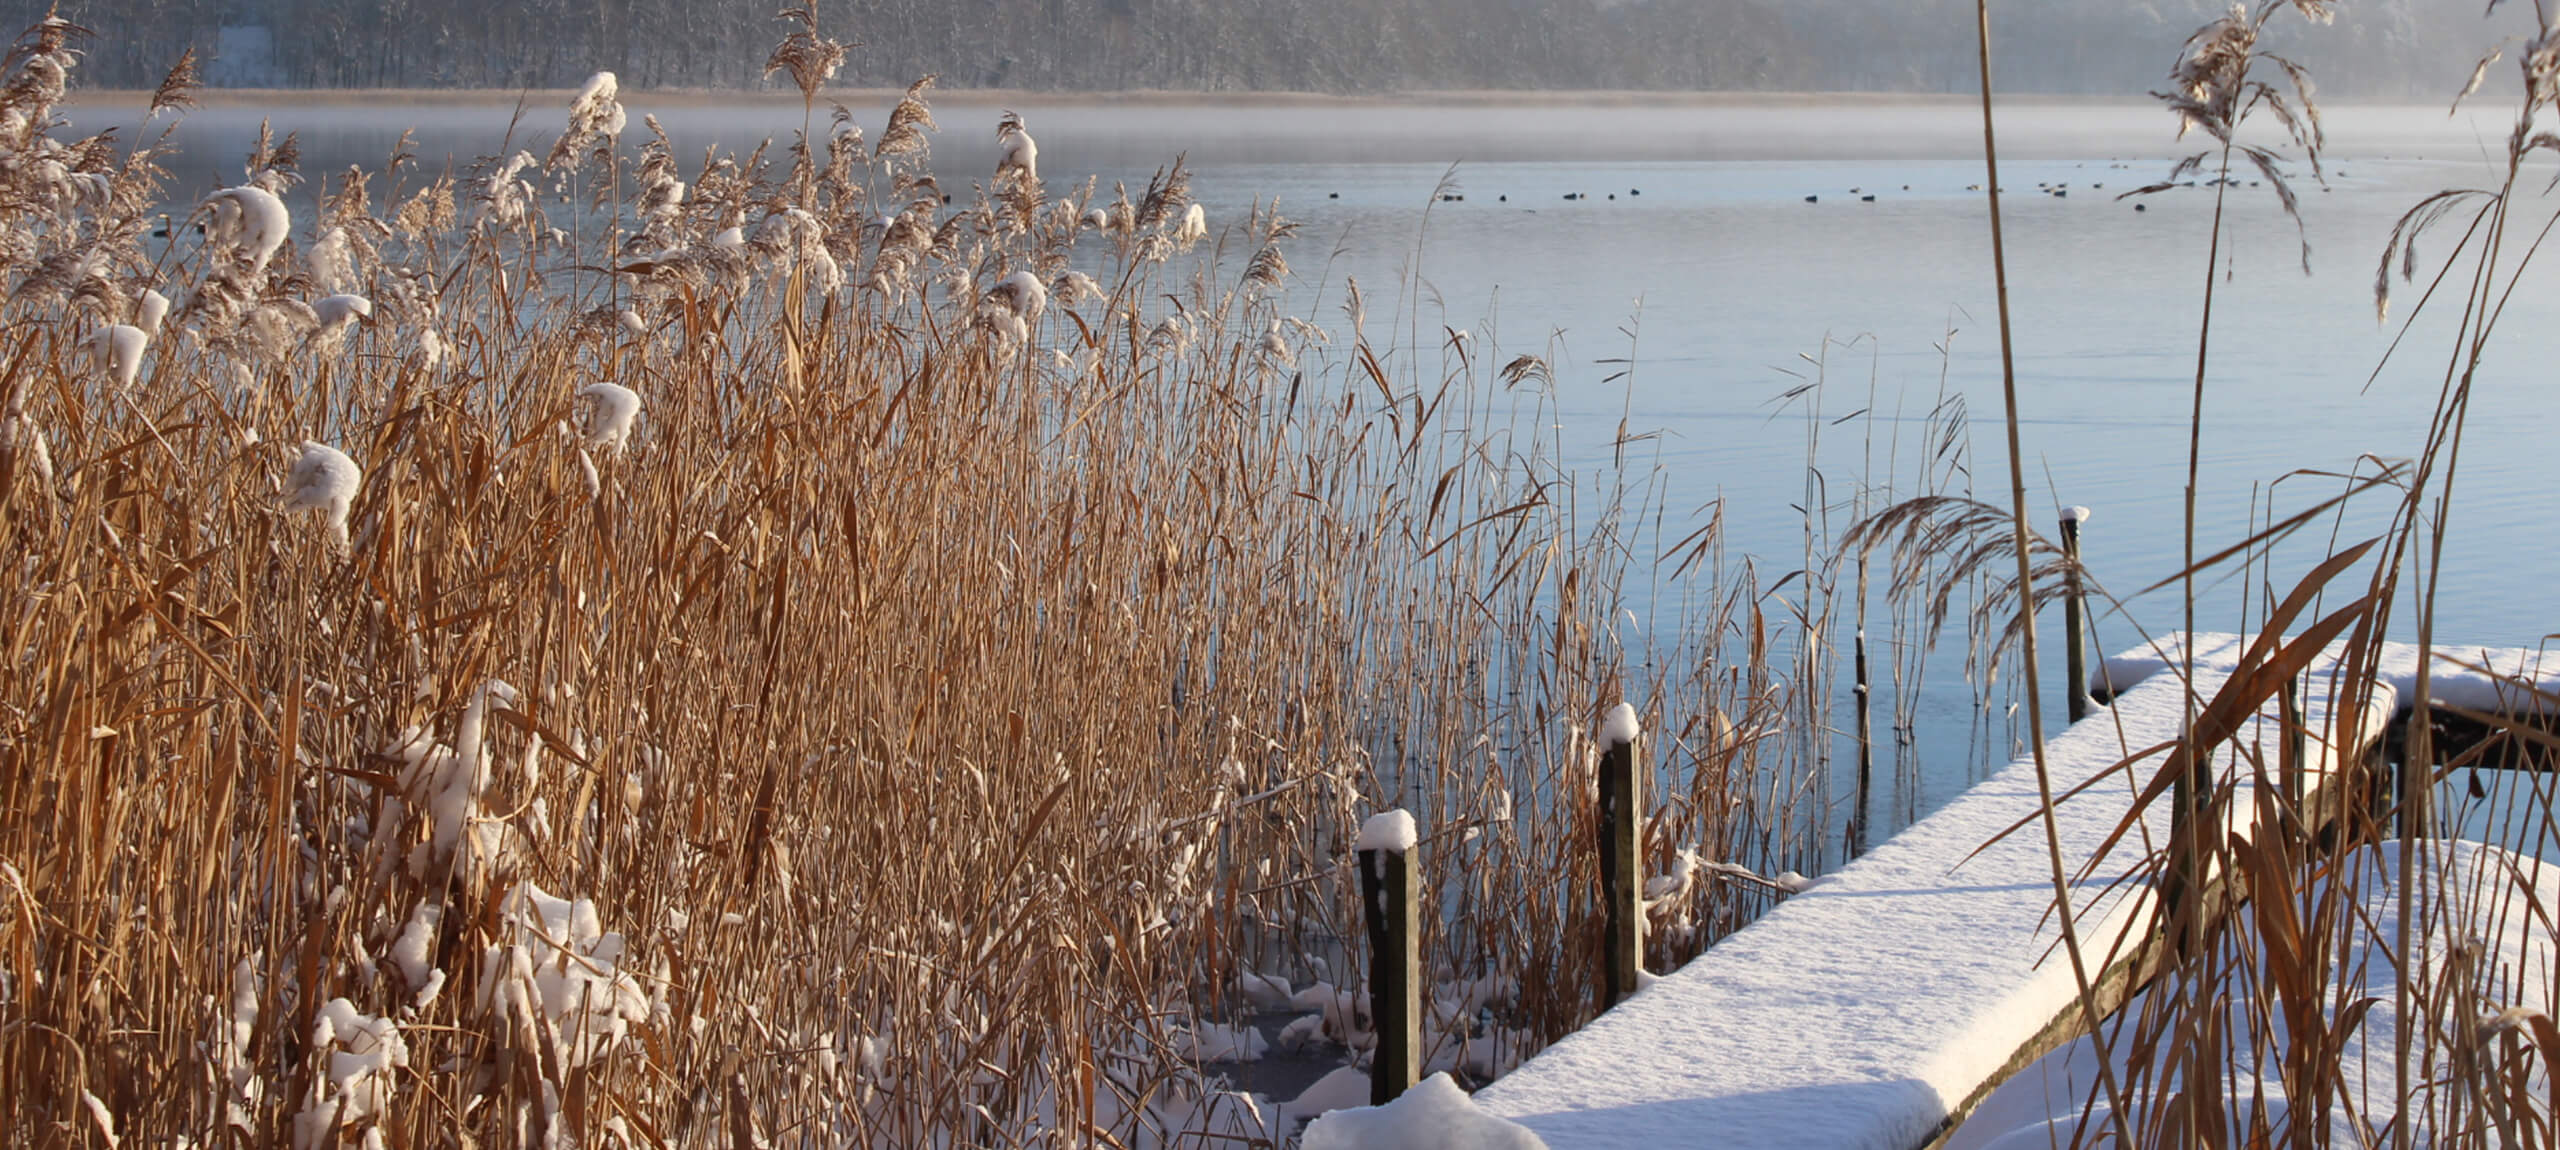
1457, 1034
1264, 991
2040, 1106
231, 1049
558, 963
1220, 1118
1862, 1011
356, 1054
1434, 1115
1217, 1042
1344, 1088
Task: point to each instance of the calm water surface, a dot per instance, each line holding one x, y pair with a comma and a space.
1712, 272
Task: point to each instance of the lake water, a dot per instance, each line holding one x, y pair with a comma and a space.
1712, 255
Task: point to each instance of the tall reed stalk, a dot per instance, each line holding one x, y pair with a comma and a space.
2019, 536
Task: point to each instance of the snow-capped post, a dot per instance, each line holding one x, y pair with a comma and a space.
1621, 857
2074, 622
1389, 905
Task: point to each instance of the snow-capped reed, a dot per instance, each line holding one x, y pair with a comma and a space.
324, 480
1273, 350
1022, 294
249, 223
1074, 289
611, 412
334, 311
118, 348
27, 446
598, 105
1017, 154
507, 200
149, 310
332, 261
595, 116
794, 240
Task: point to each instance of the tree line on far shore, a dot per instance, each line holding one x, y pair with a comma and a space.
2379, 48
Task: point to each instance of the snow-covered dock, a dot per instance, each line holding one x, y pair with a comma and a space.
1874, 1009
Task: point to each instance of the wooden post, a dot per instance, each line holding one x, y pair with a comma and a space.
1865, 696
2418, 771
1389, 905
2295, 750
2180, 885
1866, 749
2382, 786
1621, 858
2075, 622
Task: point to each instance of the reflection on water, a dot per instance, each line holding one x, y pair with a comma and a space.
1725, 247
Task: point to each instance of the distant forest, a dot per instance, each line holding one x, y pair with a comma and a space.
2383, 48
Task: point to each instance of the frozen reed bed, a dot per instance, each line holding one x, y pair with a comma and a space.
764, 653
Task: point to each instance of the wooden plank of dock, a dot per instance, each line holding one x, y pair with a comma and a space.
1875, 1009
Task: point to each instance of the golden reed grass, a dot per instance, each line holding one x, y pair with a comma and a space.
759, 653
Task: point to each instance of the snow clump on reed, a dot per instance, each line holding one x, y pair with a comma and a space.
1017, 154
119, 350
250, 222
611, 411
323, 479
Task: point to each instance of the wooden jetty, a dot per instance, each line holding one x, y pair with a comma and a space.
1876, 1009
